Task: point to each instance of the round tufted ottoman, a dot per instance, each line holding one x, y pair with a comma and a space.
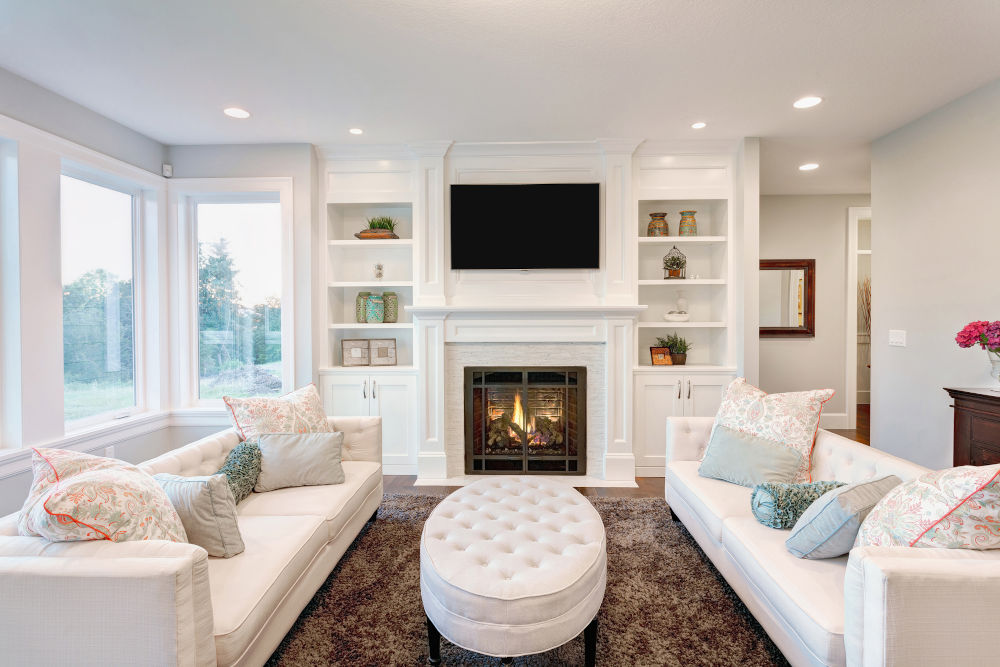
511, 566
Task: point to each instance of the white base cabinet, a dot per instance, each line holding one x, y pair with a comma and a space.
390, 395
661, 395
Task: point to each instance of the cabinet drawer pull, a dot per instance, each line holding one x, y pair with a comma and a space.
364, 389
679, 383
689, 388
373, 388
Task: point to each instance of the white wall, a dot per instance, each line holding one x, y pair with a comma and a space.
935, 245
30, 103
810, 227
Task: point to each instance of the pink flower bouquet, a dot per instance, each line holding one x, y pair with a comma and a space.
985, 334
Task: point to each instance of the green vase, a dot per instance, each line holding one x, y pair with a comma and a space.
391, 303
360, 304
375, 309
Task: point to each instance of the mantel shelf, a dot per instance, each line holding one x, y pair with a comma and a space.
684, 281
681, 239
673, 325
626, 311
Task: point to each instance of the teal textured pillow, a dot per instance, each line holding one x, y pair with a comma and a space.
747, 460
242, 468
779, 505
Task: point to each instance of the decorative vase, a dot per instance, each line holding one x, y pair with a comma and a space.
688, 226
375, 309
391, 303
360, 303
995, 362
658, 225
678, 359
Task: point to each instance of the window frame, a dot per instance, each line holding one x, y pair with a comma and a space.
135, 191
185, 195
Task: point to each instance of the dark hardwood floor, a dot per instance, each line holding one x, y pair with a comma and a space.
649, 487
863, 431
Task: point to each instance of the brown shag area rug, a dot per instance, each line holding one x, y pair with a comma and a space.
665, 603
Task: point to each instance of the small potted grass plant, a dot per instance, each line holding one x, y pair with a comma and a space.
678, 349
379, 227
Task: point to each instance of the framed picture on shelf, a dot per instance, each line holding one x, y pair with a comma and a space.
355, 351
383, 351
661, 356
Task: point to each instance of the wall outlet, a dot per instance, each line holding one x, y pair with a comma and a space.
897, 338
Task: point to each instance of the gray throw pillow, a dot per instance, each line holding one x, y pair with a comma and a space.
829, 527
299, 459
241, 468
207, 509
748, 460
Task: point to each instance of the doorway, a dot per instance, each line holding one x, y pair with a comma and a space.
859, 332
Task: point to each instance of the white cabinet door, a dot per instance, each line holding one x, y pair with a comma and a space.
703, 394
346, 395
656, 398
394, 398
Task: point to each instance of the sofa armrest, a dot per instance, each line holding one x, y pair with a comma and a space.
687, 437
101, 603
362, 437
908, 606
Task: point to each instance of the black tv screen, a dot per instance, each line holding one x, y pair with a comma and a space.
544, 226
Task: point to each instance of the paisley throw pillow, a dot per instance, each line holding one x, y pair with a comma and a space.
242, 468
791, 419
779, 505
76, 496
956, 508
301, 411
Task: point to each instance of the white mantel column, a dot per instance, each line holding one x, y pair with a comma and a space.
620, 248
432, 463
619, 459
428, 224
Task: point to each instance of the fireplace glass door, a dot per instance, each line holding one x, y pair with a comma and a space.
525, 420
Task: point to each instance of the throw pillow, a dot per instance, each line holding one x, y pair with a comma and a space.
747, 460
207, 509
76, 496
242, 468
829, 527
791, 419
294, 459
956, 508
779, 505
301, 411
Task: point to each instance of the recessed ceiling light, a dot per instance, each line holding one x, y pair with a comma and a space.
806, 102
697, 126
808, 166
236, 112
356, 130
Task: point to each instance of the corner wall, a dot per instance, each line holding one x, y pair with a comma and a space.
936, 244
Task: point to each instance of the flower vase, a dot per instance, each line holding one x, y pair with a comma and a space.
375, 309
688, 225
657, 225
995, 363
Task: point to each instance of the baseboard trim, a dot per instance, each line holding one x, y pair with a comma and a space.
650, 471
830, 420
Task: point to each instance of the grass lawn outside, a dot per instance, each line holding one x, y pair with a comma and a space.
86, 399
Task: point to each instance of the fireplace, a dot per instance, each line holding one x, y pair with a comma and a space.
526, 420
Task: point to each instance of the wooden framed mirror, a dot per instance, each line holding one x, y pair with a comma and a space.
787, 298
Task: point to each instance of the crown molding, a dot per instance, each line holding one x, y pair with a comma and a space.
430, 148
619, 146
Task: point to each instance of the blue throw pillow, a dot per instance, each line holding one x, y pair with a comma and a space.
779, 505
745, 459
242, 468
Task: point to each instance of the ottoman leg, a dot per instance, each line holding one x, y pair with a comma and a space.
590, 644
433, 644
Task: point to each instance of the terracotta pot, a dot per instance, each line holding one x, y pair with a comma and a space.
679, 359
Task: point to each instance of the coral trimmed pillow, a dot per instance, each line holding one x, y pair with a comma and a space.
300, 411
790, 419
956, 508
76, 496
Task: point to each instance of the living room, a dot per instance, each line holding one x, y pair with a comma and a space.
469, 333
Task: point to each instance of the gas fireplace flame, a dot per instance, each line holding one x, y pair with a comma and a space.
526, 429
518, 417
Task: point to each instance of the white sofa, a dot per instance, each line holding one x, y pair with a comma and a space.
166, 603
879, 606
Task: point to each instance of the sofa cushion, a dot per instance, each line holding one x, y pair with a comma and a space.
299, 459
336, 503
247, 589
807, 595
748, 460
300, 411
242, 468
207, 509
777, 505
711, 499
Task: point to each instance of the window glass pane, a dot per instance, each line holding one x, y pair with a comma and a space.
98, 359
239, 299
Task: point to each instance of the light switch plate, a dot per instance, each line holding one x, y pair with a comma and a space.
897, 338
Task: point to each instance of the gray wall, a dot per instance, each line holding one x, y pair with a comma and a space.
810, 227
31, 104
936, 244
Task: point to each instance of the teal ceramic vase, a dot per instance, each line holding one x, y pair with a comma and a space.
375, 309
688, 225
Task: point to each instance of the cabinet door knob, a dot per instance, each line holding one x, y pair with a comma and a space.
679, 383
364, 389
689, 388
373, 388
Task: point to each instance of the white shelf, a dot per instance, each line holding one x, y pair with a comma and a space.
684, 281
369, 243
672, 325
372, 283
358, 325
681, 239
332, 370
685, 368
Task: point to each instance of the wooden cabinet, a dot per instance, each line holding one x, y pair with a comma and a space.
977, 426
662, 395
390, 395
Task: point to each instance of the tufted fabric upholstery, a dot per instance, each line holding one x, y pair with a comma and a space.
835, 457
511, 566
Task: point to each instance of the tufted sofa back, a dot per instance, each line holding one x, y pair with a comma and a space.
362, 442
834, 457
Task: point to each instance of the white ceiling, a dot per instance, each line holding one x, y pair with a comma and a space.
482, 70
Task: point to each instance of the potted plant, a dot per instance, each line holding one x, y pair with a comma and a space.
379, 227
678, 348
987, 336
660, 353
674, 264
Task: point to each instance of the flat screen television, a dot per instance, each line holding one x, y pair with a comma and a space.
539, 226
